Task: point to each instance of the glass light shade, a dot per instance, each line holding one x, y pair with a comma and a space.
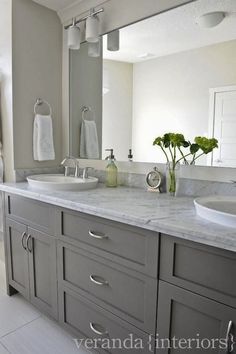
74, 37
92, 29
94, 49
211, 19
113, 41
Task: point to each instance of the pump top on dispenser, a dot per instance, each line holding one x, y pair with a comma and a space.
111, 170
130, 155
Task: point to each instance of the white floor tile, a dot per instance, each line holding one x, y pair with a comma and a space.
14, 313
41, 336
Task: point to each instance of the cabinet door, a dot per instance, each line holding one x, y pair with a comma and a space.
17, 257
192, 323
42, 268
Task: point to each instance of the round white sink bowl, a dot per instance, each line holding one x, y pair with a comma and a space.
218, 209
60, 182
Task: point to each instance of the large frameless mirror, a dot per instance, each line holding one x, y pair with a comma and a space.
171, 73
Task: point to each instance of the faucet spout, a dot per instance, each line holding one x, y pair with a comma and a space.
71, 162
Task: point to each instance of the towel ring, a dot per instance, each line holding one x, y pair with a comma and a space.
39, 102
86, 109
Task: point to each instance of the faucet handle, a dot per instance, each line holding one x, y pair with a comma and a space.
85, 171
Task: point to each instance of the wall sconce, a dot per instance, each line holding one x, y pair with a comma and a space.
74, 36
113, 41
91, 32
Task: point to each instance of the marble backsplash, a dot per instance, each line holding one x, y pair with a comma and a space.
200, 188
124, 179
22, 174
186, 187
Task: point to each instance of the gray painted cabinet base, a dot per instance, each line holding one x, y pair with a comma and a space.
188, 316
84, 318
110, 280
17, 257
32, 271
43, 273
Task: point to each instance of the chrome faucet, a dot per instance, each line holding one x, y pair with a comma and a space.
85, 172
71, 162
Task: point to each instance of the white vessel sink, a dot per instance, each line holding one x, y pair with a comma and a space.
218, 209
60, 182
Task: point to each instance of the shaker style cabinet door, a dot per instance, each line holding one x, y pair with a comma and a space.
42, 269
190, 323
16, 237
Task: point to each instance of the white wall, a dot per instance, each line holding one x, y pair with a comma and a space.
6, 84
117, 108
171, 93
37, 72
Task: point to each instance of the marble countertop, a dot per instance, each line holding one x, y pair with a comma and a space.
157, 212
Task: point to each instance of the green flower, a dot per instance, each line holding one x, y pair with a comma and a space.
205, 144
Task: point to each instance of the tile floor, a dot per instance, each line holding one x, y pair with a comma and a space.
24, 330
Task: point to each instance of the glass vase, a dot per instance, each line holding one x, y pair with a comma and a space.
172, 177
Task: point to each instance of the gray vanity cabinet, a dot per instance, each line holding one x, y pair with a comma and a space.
186, 315
42, 272
202, 269
111, 280
17, 257
196, 297
32, 265
85, 319
31, 254
127, 294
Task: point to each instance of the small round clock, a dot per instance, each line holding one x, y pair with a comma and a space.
154, 179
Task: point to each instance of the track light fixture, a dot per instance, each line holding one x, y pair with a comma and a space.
91, 29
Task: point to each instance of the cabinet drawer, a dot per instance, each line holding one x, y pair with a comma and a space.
126, 293
33, 213
83, 318
202, 269
130, 246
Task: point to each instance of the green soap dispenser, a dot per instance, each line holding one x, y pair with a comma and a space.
111, 170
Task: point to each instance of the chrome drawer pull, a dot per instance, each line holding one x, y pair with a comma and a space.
100, 236
228, 338
92, 326
29, 237
97, 282
22, 240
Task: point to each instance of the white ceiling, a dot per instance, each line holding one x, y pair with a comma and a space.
174, 31
57, 4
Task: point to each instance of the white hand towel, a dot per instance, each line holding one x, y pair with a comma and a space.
43, 138
89, 148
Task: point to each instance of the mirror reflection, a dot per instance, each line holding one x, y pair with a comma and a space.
174, 72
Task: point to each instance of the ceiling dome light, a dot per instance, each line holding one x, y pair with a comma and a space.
92, 28
74, 36
212, 19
